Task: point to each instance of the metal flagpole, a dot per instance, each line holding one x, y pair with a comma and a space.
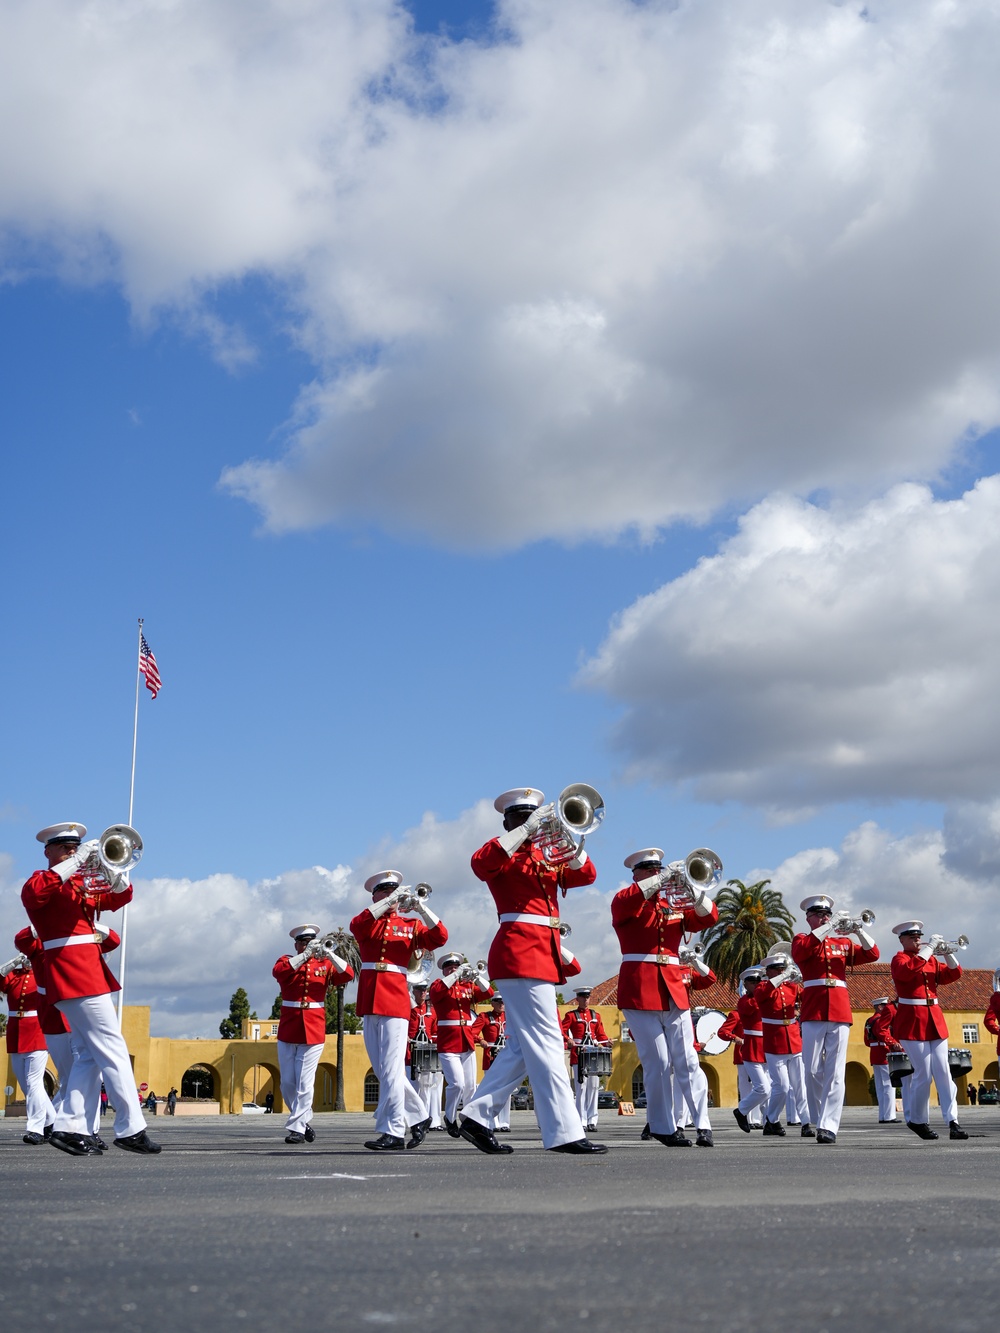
120, 997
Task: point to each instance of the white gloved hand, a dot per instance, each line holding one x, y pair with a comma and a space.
865, 940
951, 960
425, 913
702, 903
10, 965
925, 951
567, 957
580, 859
821, 932
652, 886
452, 977
387, 903
297, 959
68, 868
339, 963
482, 980
516, 837
697, 965
780, 978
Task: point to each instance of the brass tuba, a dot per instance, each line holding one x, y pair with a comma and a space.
577, 813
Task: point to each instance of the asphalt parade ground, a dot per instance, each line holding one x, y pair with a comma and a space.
230, 1229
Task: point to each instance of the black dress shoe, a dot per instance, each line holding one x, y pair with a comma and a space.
99, 1142
47, 1132
955, 1130
385, 1143
140, 1142
591, 1129
452, 1127
33, 1138
418, 1132
293, 1136
502, 1129
888, 1122
774, 1129
807, 1131
825, 1136
741, 1120
675, 1140
77, 1145
309, 1134
580, 1145
480, 1137
647, 1133
921, 1131
704, 1139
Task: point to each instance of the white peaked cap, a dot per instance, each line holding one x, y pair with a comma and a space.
309, 928
391, 878
56, 832
530, 796
817, 900
904, 926
450, 958
647, 854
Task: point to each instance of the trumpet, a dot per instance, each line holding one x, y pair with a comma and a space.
682, 880
477, 973
577, 813
845, 924
687, 953
565, 929
119, 848
942, 947
410, 898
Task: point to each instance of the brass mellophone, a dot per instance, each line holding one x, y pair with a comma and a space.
577, 813
700, 869
411, 897
845, 924
942, 947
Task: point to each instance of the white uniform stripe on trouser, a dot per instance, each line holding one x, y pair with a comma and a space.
29, 1070
298, 1061
930, 1061
99, 1052
459, 1069
534, 1047
664, 1042
824, 1055
399, 1106
885, 1092
760, 1086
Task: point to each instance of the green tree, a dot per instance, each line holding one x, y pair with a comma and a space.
341, 1016
276, 1007
231, 1026
752, 918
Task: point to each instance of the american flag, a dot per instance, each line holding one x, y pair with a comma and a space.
148, 667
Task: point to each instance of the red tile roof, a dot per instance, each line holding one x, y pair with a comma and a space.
970, 993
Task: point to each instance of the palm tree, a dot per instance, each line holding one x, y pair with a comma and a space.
346, 946
752, 918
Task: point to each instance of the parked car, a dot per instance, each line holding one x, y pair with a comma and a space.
522, 1099
989, 1095
640, 1102
607, 1100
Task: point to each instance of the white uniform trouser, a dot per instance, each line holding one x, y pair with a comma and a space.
797, 1089
665, 1048
760, 1086
60, 1046
885, 1092
99, 1051
29, 1070
459, 1070
743, 1089
298, 1062
534, 1047
428, 1089
904, 1097
586, 1096
930, 1060
399, 1107
782, 1096
824, 1054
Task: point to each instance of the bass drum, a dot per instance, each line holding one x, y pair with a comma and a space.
707, 1033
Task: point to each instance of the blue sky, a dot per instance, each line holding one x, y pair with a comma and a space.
527, 454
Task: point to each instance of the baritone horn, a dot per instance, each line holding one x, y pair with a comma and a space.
577, 813
119, 848
420, 969
700, 870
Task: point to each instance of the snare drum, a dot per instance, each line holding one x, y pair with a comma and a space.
424, 1059
959, 1061
593, 1060
900, 1067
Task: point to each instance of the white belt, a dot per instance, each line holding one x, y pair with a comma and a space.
455, 1022
779, 1022
384, 967
301, 1004
825, 981
923, 1002
28, 1013
749, 1032
71, 939
650, 958
529, 919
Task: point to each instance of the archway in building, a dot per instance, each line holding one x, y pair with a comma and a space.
992, 1072
200, 1083
260, 1082
371, 1090
638, 1085
712, 1074
325, 1088
857, 1077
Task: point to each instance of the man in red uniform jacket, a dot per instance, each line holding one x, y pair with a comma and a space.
304, 976
26, 1045
64, 904
492, 1037
453, 997
423, 1029
777, 996
823, 958
748, 1032
919, 1026
527, 961
992, 1016
650, 924
877, 1038
584, 1026
386, 939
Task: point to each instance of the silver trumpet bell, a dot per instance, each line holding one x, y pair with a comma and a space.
577, 813
702, 869
119, 849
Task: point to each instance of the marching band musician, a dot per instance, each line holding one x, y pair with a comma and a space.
386, 940
584, 1026
304, 977
920, 1028
492, 1037
453, 996
777, 996
651, 989
64, 904
748, 1033
26, 1046
697, 975
423, 1028
730, 1030
991, 1018
527, 959
877, 1038
823, 958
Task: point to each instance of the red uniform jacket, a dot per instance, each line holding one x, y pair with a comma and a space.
525, 884
457, 1021
782, 1034
647, 926
823, 964
745, 1023
879, 1038
24, 1031
492, 1036
422, 1024
64, 912
992, 1017
303, 998
385, 944
582, 1025
917, 979
729, 1031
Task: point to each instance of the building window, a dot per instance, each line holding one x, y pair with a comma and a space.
274, 1029
970, 1033
371, 1089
